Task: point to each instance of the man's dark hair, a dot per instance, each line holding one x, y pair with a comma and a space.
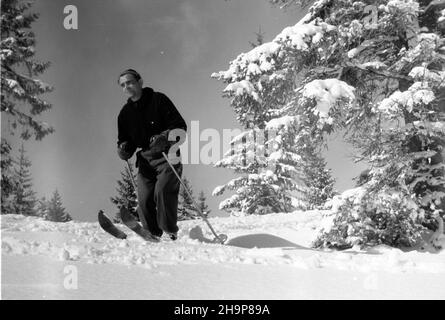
136, 75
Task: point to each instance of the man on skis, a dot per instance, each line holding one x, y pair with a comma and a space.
145, 122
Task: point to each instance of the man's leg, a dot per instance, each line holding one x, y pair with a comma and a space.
146, 204
166, 196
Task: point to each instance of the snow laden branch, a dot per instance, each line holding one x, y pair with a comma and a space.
249, 72
327, 93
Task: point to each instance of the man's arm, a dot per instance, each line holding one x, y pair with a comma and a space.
171, 118
125, 149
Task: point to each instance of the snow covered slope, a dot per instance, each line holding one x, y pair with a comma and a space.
266, 257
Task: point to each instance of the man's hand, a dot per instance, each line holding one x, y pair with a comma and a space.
159, 143
124, 150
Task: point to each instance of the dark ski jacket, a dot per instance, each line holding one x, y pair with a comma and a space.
154, 113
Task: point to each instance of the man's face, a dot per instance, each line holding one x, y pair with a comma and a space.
130, 85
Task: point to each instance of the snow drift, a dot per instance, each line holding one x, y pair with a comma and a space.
266, 257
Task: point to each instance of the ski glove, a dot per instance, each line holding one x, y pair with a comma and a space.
125, 151
159, 143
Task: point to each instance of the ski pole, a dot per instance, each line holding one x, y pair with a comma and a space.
133, 183
131, 175
219, 237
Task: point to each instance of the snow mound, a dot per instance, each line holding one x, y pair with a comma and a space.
261, 240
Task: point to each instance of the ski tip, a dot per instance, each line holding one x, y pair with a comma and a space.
108, 226
101, 216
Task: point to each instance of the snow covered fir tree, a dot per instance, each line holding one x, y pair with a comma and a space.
126, 194
18, 195
42, 208
23, 196
186, 207
55, 210
374, 69
20, 88
7, 182
318, 179
265, 154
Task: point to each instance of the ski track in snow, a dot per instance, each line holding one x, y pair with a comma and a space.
274, 241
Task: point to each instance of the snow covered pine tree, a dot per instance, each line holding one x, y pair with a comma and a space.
186, 207
276, 148
56, 211
397, 66
24, 197
19, 87
374, 69
126, 196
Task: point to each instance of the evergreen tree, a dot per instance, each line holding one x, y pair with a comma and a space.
7, 178
202, 203
19, 69
377, 74
186, 208
318, 179
272, 150
126, 194
265, 183
20, 86
42, 208
56, 211
23, 198
259, 38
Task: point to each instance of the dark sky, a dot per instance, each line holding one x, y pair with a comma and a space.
176, 46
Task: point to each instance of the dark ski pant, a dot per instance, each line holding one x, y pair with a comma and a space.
158, 189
